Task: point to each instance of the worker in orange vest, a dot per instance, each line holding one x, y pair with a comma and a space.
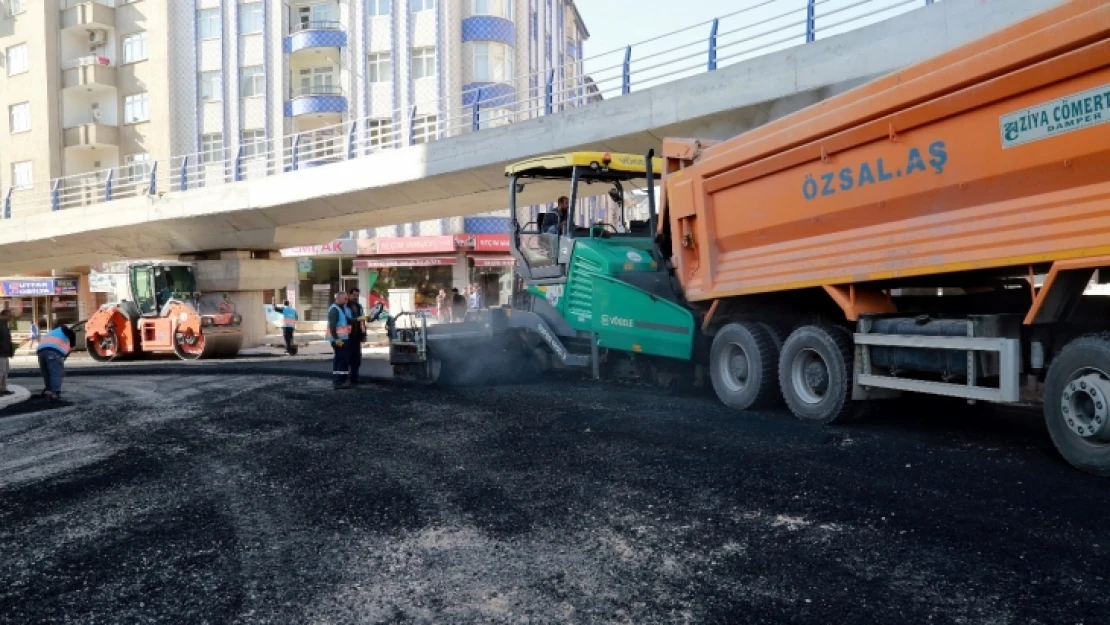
53, 350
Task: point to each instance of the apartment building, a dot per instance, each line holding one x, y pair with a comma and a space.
103, 88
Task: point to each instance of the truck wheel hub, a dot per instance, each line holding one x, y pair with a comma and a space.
1085, 407
817, 377
809, 376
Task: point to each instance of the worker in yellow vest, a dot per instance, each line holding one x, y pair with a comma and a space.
52, 351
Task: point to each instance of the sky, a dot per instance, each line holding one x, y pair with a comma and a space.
747, 28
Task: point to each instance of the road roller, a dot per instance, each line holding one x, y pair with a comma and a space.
164, 313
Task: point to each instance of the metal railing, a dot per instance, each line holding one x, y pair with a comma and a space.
314, 25
310, 90
703, 47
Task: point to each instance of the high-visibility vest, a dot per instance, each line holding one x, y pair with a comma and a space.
342, 324
55, 340
290, 316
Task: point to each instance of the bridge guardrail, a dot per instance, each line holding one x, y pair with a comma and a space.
706, 46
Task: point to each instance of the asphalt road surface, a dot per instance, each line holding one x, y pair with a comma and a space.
232, 496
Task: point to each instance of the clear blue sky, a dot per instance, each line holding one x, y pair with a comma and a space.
747, 28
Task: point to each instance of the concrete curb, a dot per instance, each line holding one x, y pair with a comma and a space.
20, 394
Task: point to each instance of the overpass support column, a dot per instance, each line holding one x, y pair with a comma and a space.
241, 278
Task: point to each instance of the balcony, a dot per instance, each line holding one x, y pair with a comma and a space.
315, 35
88, 14
91, 136
92, 73
318, 100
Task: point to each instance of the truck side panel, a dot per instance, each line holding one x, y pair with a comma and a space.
1018, 180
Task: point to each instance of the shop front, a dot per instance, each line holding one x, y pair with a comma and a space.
491, 267
434, 263
31, 299
322, 271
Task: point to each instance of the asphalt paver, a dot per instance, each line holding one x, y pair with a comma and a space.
243, 496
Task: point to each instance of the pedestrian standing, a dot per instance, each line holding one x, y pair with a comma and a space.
339, 333
34, 334
289, 318
441, 306
7, 349
358, 335
53, 351
458, 305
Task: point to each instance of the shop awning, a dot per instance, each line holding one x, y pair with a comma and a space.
409, 261
493, 261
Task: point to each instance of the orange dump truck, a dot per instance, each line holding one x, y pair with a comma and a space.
934, 231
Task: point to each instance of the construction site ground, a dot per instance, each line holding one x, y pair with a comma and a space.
250, 492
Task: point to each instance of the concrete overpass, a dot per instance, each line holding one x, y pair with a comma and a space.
463, 174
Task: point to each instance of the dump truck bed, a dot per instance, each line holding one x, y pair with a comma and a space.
996, 154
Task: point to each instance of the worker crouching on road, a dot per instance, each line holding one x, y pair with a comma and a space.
339, 334
52, 351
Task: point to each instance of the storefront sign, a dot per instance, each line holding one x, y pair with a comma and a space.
105, 282
304, 265
39, 286
417, 261
405, 245
491, 243
338, 247
383, 246
65, 286
494, 261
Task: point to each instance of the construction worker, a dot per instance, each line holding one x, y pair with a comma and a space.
289, 315
7, 349
339, 333
358, 334
53, 350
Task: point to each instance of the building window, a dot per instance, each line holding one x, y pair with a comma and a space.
317, 81
424, 128
379, 132
318, 16
422, 5
493, 62
20, 117
15, 7
22, 175
500, 8
208, 23
253, 143
136, 168
210, 86
212, 148
134, 47
136, 108
380, 67
17, 59
252, 81
423, 63
379, 7
251, 18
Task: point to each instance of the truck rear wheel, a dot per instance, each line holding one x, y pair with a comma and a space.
815, 374
742, 363
1077, 403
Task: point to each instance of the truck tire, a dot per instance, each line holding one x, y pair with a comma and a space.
742, 363
1077, 403
815, 374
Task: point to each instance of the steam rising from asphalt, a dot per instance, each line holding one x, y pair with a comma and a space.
494, 361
